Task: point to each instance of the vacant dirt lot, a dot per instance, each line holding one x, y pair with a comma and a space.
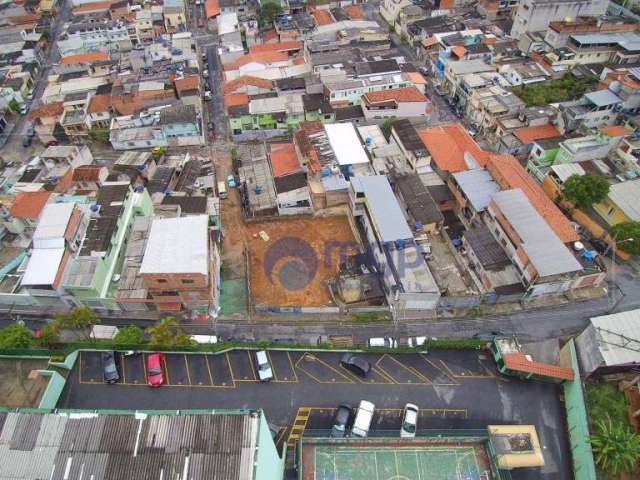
290, 268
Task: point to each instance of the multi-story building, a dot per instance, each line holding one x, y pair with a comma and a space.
85, 36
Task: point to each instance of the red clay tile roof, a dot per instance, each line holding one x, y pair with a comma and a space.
616, 131
234, 99
264, 58
406, 94
190, 82
429, 42
284, 159
86, 173
212, 8
276, 47
355, 12
323, 17
508, 173
416, 78
519, 362
53, 109
85, 58
459, 51
89, 7
29, 204
22, 19
244, 80
447, 4
99, 103
529, 134
447, 145
269, 35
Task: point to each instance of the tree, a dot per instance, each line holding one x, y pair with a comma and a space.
585, 190
386, 128
627, 237
129, 335
616, 446
168, 333
99, 134
48, 335
15, 336
268, 12
80, 318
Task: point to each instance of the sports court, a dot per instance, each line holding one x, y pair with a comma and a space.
395, 462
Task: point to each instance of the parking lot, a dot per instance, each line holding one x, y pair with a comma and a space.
454, 389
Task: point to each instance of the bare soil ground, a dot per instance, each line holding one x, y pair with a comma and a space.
16, 388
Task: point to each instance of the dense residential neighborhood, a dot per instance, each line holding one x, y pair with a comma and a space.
320, 240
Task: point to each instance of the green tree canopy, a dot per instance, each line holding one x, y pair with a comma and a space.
167, 333
99, 134
129, 335
15, 336
268, 12
627, 236
80, 318
48, 335
386, 128
616, 446
585, 190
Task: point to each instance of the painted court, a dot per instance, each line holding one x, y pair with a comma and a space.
414, 462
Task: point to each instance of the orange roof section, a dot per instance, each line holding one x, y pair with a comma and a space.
29, 204
508, 173
429, 42
235, 99
355, 12
284, 159
406, 94
99, 103
528, 134
447, 4
323, 17
85, 58
447, 145
269, 35
263, 57
276, 47
519, 362
616, 131
416, 78
53, 109
212, 8
459, 51
89, 7
190, 82
232, 85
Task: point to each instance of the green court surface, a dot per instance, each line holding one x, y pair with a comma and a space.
413, 463
233, 297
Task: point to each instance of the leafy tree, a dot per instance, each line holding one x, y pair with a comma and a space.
49, 335
99, 134
168, 333
15, 336
80, 318
616, 446
129, 335
268, 12
627, 236
585, 190
386, 128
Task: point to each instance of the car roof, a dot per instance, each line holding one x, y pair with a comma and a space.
261, 355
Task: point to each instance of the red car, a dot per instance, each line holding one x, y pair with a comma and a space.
155, 376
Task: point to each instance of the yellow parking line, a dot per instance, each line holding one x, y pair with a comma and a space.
293, 368
233, 378
80, 367
144, 367
463, 376
186, 365
206, 360
253, 367
407, 368
439, 369
124, 376
275, 373
333, 381
166, 371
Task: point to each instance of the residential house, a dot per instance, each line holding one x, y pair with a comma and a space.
543, 155
390, 9
21, 216
613, 47
626, 83
92, 35
524, 73
398, 103
411, 145
621, 203
472, 190
557, 35
420, 206
536, 15
250, 85
175, 18
92, 276
350, 91
45, 120
257, 188
592, 110
290, 180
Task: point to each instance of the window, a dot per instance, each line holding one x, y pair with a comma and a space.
187, 281
161, 280
610, 212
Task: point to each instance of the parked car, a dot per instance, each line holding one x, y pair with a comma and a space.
424, 71
110, 367
264, 367
383, 342
205, 73
155, 373
363, 419
341, 421
409, 421
355, 364
207, 96
200, 22
601, 247
24, 109
211, 127
31, 132
26, 141
414, 342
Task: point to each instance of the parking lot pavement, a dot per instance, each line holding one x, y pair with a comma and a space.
454, 389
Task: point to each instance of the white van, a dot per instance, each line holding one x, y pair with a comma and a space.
363, 419
222, 190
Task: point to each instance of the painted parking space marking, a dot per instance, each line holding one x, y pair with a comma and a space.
282, 365
428, 368
458, 372
400, 373
320, 371
220, 368
91, 367
199, 370
177, 371
241, 366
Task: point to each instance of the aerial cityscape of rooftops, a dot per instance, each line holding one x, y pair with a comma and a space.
320, 239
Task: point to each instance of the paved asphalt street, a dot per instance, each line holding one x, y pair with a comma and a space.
454, 389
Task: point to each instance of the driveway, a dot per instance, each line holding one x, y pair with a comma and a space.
454, 389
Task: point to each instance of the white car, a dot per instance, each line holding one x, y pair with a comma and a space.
409, 421
364, 415
264, 367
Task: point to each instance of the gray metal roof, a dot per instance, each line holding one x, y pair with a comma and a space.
478, 186
625, 195
603, 97
545, 250
75, 446
383, 207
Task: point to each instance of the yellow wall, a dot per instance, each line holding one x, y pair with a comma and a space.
617, 215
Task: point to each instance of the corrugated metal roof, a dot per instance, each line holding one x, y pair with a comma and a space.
478, 185
51, 446
602, 98
611, 331
565, 170
625, 195
43, 266
545, 250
